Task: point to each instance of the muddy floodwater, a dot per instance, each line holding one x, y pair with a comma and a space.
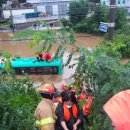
21, 48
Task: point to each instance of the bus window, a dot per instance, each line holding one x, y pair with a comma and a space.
55, 70
32, 70
39, 70
47, 70
21, 70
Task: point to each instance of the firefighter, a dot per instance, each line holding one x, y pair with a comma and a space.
44, 57
44, 112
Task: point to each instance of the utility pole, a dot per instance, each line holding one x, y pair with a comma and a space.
111, 19
11, 17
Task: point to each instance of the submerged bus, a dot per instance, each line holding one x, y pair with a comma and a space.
33, 66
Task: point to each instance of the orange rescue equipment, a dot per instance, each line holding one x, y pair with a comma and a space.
88, 103
118, 109
87, 106
67, 112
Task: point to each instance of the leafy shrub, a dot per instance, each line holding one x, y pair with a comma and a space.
106, 77
17, 104
120, 46
87, 26
65, 23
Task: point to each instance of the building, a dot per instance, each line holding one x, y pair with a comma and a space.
51, 7
49, 10
16, 12
119, 3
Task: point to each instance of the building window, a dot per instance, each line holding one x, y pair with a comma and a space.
123, 1
62, 9
118, 1
49, 10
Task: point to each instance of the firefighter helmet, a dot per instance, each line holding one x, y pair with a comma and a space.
47, 89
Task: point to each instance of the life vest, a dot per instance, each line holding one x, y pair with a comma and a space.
87, 106
67, 112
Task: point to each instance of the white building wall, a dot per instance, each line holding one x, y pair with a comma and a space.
55, 9
128, 3
33, 1
119, 3
41, 8
6, 13
42, 1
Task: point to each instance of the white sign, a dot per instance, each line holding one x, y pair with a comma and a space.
103, 27
33, 1
19, 19
7, 13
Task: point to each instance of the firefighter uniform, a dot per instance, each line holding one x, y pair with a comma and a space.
45, 114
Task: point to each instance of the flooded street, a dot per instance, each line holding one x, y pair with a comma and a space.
22, 49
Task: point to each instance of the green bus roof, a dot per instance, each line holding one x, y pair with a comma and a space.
32, 62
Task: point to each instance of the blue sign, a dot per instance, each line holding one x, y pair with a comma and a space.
103, 27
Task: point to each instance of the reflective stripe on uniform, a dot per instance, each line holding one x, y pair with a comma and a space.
44, 121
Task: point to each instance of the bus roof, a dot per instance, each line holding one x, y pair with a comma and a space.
32, 62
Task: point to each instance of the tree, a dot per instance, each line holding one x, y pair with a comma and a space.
91, 24
78, 10
101, 14
121, 18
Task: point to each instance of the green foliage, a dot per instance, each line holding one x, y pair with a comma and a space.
65, 23
78, 10
105, 76
7, 65
24, 34
120, 46
38, 22
17, 104
101, 14
91, 24
125, 30
121, 18
7, 57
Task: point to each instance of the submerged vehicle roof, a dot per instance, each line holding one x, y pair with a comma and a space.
32, 62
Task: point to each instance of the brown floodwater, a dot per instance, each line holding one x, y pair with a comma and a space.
22, 48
